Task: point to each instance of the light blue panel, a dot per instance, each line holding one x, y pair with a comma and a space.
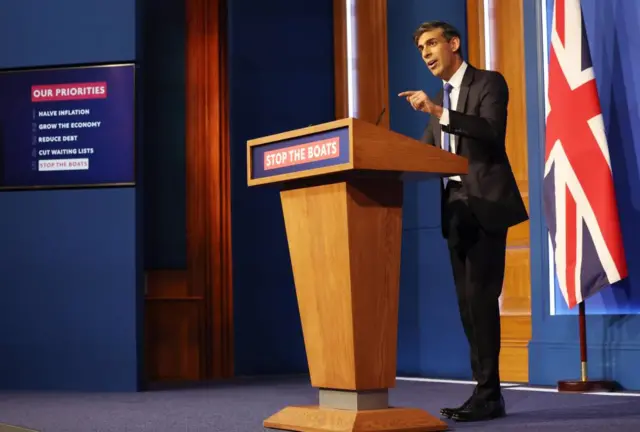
612, 31
612, 339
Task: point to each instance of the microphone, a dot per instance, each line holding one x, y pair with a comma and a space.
384, 108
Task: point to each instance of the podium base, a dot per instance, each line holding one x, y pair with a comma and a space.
579, 386
318, 419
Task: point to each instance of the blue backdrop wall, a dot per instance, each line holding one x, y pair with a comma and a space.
431, 341
69, 259
281, 78
613, 337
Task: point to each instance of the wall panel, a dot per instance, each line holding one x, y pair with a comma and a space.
428, 301
70, 260
281, 77
189, 323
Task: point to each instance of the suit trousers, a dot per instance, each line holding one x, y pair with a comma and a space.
478, 264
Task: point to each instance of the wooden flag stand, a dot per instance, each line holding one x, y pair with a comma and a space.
585, 385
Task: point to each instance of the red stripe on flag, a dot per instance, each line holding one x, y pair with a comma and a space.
571, 244
560, 20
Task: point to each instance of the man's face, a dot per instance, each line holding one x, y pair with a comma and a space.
438, 54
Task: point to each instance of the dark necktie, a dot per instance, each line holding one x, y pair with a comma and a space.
446, 144
446, 139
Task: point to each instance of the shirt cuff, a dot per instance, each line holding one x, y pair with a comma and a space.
444, 118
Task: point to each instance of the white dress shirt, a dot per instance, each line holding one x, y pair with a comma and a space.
456, 82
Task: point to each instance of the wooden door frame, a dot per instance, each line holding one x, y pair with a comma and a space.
506, 36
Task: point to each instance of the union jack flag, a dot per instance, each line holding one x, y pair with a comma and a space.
579, 197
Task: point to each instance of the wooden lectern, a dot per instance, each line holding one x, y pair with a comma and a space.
342, 202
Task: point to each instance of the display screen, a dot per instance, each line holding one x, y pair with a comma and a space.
67, 127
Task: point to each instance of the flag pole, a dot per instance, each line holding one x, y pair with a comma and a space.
585, 385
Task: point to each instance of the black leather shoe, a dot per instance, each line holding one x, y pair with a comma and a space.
480, 410
449, 412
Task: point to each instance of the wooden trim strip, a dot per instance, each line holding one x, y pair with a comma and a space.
475, 33
208, 182
370, 60
372, 64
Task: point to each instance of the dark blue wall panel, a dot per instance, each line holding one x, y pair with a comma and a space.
44, 33
430, 339
67, 272
281, 78
162, 61
69, 309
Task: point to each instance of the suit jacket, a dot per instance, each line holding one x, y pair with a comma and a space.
479, 123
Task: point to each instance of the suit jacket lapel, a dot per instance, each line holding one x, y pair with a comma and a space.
437, 128
437, 136
462, 102
464, 90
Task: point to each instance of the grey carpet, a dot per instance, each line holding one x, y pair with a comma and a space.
242, 405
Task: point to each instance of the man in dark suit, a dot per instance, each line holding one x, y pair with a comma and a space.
469, 117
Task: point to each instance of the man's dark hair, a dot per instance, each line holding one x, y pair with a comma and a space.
448, 31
